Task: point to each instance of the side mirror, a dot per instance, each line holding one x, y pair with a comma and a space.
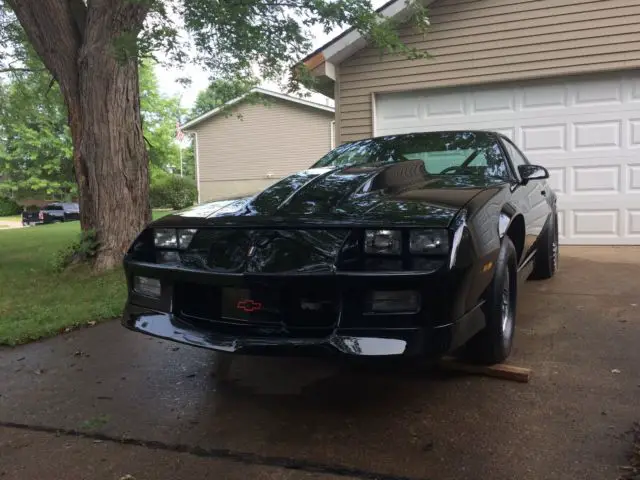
532, 172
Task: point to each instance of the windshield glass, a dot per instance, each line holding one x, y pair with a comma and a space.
443, 153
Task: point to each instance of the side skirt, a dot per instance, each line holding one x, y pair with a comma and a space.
524, 271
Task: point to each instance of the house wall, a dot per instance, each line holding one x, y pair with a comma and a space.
485, 41
244, 155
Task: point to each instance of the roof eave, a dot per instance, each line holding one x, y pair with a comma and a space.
323, 61
301, 101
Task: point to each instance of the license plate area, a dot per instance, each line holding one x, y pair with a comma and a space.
249, 305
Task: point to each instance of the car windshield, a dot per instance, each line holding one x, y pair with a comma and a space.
443, 153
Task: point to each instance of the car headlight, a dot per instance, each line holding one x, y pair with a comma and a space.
173, 238
429, 242
165, 238
185, 235
384, 242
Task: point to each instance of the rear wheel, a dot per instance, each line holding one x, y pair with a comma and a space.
547, 257
493, 344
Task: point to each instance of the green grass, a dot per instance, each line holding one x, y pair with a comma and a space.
35, 300
13, 218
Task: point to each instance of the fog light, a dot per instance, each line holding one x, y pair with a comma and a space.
397, 301
147, 286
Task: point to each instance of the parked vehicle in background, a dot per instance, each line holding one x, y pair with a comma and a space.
52, 213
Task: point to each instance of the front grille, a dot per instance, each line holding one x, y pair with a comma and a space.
284, 309
198, 301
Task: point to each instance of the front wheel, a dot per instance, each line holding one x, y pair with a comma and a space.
493, 344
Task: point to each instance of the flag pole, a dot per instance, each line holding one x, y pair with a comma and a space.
179, 138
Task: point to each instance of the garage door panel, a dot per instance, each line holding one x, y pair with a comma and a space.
633, 223
597, 135
591, 180
598, 92
544, 97
595, 223
492, 101
585, 130
634, 178
543, 138
634, 133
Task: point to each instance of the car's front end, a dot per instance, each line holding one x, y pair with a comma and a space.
260, 290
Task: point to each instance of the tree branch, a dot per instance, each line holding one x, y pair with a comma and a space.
53, 33
21, 69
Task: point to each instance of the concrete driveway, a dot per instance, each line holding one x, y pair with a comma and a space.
153, 410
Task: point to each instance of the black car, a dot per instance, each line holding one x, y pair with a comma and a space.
400, 245
52, 213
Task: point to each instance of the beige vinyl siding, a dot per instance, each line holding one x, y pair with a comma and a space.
485, 41
258, 144
214, 190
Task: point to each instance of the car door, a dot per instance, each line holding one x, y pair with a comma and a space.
530, 198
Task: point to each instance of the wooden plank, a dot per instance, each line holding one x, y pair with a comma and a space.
503, 371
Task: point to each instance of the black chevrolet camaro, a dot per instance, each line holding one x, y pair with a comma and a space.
403, 245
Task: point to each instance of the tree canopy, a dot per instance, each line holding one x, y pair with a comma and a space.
219, 92
36, 150
36, 157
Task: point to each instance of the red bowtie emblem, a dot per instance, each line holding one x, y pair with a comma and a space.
249, 306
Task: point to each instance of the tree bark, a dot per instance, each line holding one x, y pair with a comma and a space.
77, 44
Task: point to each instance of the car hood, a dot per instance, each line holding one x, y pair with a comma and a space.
401, 193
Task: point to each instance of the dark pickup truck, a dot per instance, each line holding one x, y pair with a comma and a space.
52, 213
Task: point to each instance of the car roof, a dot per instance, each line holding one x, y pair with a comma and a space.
61, 204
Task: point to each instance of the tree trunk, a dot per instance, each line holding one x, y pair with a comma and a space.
111, 159
112, 148
102, 95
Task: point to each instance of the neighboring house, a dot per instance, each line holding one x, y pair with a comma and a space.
248, 145
559, 77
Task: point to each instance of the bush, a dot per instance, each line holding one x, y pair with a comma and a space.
173, 192
81, 251
9, 207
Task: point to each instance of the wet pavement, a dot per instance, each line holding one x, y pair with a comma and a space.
309, 418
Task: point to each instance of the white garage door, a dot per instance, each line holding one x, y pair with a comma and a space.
585, 130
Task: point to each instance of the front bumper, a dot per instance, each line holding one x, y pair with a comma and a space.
435, 330
356, 343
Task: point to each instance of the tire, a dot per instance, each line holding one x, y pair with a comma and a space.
493, 344
547, 257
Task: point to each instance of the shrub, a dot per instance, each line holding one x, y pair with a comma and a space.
82, 250
9, 207
173, 192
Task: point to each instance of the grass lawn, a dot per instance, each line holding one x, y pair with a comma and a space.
35, 300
